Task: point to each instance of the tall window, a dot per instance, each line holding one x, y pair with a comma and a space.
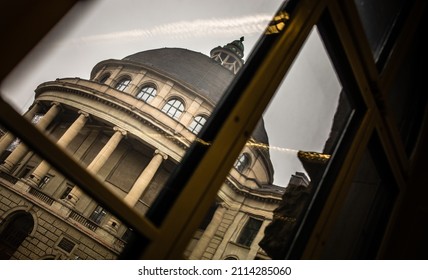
127, 235
242, 162
147, 93
197, 124
45, 180
104, 78
249, 232
173, 108
122, 84
67, 191
98, 215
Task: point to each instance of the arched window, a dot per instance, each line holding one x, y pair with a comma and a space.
122, 84
147, 93
197, 124
13, 231
242, 163
104, 78
173, 108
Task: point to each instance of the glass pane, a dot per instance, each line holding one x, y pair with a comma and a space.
365, 212
279, 169
87, 75
407, 99
93, 32
45, 215
378, 18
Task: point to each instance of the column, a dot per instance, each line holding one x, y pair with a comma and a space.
21, 150
140, 186
96, 164
68, 136
8, 138
208, 234
144, 179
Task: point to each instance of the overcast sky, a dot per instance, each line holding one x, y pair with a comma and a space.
299, 117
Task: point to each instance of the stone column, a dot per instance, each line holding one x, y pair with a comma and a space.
8, 138
208, 234
21, 150
144, 179
68, 136
139, 186
97, 163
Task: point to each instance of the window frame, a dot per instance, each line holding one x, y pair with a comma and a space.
277, 58
103, 79
123, 83
98, 214
145, 96
196, 125
248, 232
176, 111
243, 162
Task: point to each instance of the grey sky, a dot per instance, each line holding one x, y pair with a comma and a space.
300, 116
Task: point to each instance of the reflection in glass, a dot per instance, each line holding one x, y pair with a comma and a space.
379, 18
127, 143
408, 97
365, 212
45, 215
130, 145
289, 151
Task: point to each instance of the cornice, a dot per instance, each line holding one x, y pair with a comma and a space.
115, 103
272, 197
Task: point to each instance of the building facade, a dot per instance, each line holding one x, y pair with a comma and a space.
130, 124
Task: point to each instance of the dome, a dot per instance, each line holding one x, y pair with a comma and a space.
195, 70
237, 47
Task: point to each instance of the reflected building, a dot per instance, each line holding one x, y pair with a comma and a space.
130, 124
301, 188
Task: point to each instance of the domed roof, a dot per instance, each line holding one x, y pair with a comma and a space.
196, 71
237, 47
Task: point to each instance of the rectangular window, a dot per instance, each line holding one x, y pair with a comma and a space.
98, 215
66, 244
67, 191
249, 232
25, 172
44, 181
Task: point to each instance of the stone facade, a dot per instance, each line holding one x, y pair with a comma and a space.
130, 124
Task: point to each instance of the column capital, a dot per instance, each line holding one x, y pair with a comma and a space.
83, 113
159, 152
56, 103
121, 130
